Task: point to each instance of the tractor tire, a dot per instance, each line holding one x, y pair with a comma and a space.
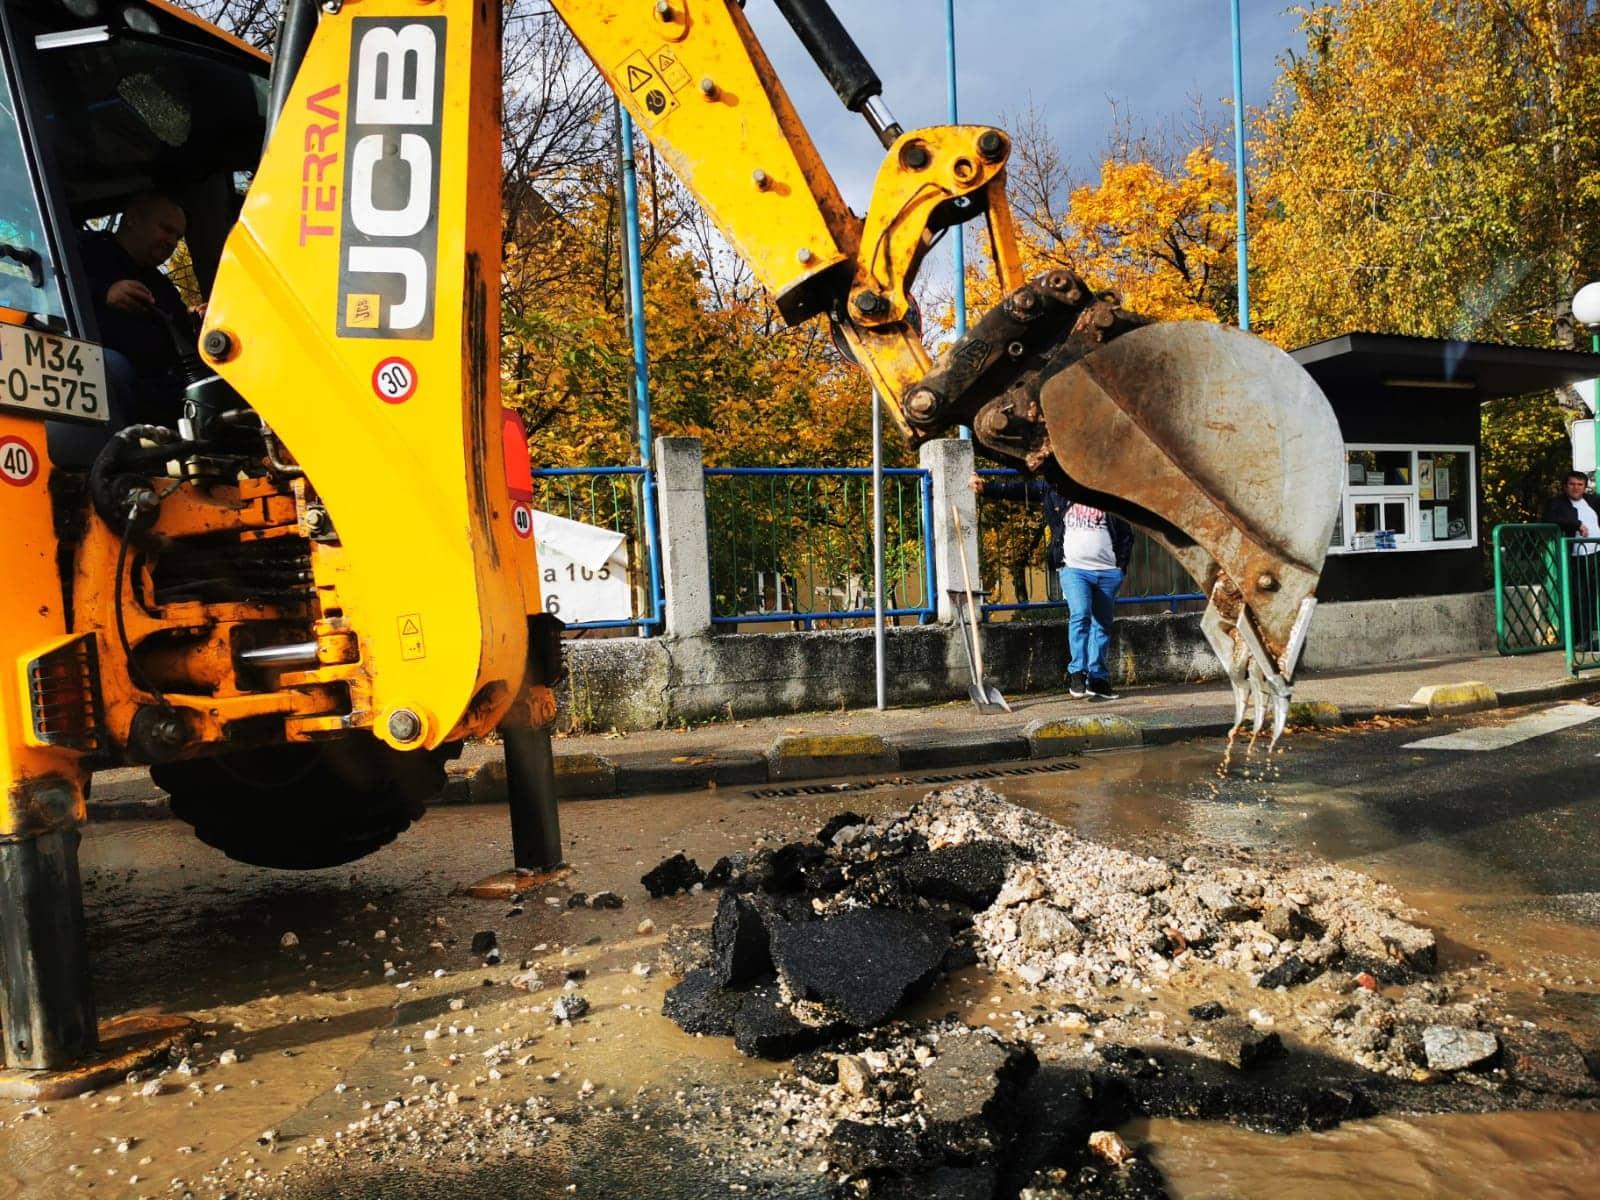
303, 805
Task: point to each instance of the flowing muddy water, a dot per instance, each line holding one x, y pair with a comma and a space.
327, 1037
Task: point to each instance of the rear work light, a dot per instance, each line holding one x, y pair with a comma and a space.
64, 696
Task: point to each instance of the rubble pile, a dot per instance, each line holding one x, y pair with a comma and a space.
816, 941
820, 938
946, 1111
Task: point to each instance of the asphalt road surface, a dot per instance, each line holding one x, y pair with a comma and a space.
1492, 833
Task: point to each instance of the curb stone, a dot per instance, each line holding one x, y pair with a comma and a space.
1446, 698
1070, 735
1315, 714
578, 776
808, 756
720, 770
931, 751
584, 775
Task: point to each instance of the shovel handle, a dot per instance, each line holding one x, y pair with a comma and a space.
972, 609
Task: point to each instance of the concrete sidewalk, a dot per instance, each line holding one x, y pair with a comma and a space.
805, 746
813, 745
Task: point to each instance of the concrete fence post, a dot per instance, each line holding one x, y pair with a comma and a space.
950, 462
685, 560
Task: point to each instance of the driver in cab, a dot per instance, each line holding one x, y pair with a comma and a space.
142, 317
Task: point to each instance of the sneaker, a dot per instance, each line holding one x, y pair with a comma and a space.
1100, 689
1077, 685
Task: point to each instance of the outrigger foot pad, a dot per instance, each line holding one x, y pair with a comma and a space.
129, 1043
515, 883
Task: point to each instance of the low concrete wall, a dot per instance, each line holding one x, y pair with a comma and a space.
1368, 633
639, 683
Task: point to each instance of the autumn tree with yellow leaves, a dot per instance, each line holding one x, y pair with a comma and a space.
1433, 169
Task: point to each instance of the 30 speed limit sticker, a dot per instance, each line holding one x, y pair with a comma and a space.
19, 462
394, 380
522, 519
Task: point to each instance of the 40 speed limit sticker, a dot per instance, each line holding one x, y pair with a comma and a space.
522, 519
19, 462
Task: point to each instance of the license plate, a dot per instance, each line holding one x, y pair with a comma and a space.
52, 376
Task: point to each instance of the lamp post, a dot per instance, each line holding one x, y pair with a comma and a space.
1242, 244
1586, 311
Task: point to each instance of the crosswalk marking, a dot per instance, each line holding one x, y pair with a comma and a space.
1498, 737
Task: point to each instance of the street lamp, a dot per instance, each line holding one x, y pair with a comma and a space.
1586, 311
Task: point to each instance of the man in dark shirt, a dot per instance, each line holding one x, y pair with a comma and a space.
1577, 512
140, 313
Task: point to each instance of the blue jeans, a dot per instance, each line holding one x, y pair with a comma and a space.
1089, 613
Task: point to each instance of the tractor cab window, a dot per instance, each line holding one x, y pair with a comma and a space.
28, 281
129, 113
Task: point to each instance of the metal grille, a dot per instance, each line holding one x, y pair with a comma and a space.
1580, 590
64, 696
863, 785
1528, 589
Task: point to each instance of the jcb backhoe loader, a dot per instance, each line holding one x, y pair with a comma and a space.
298, 597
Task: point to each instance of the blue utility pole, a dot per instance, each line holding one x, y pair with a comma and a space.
950, 91
959, 235
641, 362
1242, 245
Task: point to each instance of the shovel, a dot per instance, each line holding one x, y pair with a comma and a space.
984, 694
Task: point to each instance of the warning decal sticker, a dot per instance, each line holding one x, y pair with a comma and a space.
665, 60
409, 626
645, 85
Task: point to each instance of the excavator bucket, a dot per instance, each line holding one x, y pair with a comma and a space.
1227, 442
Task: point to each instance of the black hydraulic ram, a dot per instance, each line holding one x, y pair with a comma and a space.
297, 23
846, 68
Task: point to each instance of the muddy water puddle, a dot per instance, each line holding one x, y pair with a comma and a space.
326, 1035
1507, 1156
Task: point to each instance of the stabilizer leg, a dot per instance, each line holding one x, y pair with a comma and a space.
531, 796
53, 1048
46, 999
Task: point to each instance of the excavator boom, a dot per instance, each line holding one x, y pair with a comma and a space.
1213, 440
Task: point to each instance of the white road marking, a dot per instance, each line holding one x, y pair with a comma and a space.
1498, 737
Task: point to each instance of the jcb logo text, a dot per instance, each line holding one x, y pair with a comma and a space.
390, 235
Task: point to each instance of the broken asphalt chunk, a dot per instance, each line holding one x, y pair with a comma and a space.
699, 1005
863, 963
859, 1146
1546, 1060
1240, 1044
764, 1027
972, 873
722, 870
1289, 971
970, 1091
484, 941
739, 942
676, 874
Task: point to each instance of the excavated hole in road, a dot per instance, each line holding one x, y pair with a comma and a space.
819, 945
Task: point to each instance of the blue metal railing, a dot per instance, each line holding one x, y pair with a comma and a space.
1153, 575
620, 499
808, 532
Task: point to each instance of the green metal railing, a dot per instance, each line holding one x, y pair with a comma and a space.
1580, 601
1528, 591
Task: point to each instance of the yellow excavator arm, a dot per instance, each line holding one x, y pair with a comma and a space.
1215, 441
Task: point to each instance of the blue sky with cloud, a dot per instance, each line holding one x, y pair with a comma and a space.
1069, 58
